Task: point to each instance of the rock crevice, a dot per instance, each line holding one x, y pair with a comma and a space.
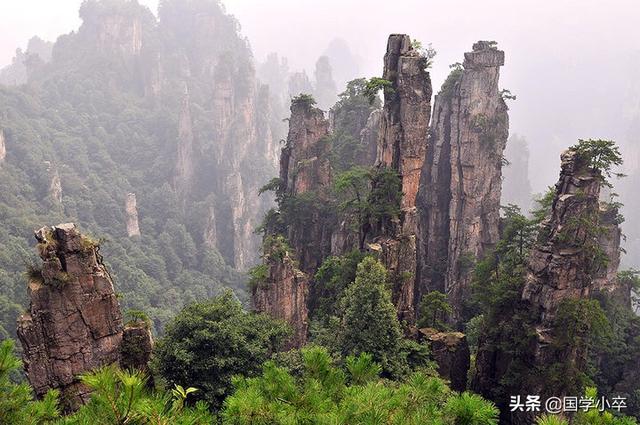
460, 188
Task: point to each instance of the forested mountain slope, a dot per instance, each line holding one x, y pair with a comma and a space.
131, 104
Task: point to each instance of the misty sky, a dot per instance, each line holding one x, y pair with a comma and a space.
573, 64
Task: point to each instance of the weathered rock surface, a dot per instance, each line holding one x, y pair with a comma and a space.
402, 141
369, 139
55, 183
459, 197
3, 147
74, 323
560, 266
131, 210
185, 162
305, 170
283, 295
606, 279
450, 351
405, 117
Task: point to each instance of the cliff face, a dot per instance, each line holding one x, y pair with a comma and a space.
606, 277
184, 168
405, 117
459, 198
227, 140
404, 125
450, 351
55, 183
3, 147
283, 295
131, 209
305, 172
74, 323
559, 267
369, 139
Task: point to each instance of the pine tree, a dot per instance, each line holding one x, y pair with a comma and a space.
369, 320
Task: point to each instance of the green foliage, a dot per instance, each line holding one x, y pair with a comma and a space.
544, 204
325, 394
498, 277
137, 318
452, 79
122, 397
471, 409
330, 281
599, 155
352, 189
85, 116
350, 115
428, 53
209, 342
258, 275
369, 322
578, 323
17, 405
374, 85
274, 248
433, 309
303, 99
385, 196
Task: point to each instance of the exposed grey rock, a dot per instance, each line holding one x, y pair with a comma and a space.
459, 197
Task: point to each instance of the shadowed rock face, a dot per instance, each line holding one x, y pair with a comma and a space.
606, 278
369, 139
402, 141
405, 117
284, 296
450, 351
459, 196
304, 163
559, 266
305, 169
74, 323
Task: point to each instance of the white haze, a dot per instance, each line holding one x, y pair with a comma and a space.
573, 64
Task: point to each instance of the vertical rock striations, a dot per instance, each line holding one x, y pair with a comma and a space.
74, 323
560, 265
305, 172
283, 293
606, 279
405, 117
402, 141
369, 139
560, 269
459, 197
184, 168
3, 147
131, 210
305, 177
55, 183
